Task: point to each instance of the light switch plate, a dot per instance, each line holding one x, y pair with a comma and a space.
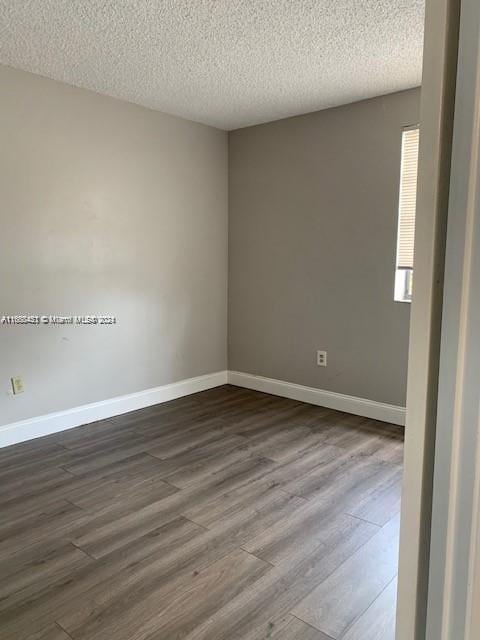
17, 385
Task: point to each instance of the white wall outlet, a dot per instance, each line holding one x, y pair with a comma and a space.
17, 385
321, 358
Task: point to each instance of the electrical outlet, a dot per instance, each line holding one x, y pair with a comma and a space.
321, 358
17, 385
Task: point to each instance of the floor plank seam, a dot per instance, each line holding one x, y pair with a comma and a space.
154, 457
63, 630
194, 522
83, 551
74, 475
291, 495
257, 557
340, 565
327, 637
61, 468
362, 613
375, 524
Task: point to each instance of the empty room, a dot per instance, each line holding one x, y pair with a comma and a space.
231, 396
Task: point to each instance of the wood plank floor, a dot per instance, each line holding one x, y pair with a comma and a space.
226, 515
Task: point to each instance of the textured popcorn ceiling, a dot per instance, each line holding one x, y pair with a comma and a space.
228, 63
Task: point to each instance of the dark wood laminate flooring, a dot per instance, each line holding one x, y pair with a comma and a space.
225, 515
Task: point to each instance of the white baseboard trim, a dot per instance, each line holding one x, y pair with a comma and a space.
62, 420
68, 419
331, 400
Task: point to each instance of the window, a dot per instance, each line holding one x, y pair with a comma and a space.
406, 215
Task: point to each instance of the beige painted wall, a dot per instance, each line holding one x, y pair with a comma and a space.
107, 207
312, 238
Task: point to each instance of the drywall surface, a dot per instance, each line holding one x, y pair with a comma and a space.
313, 204
107, 208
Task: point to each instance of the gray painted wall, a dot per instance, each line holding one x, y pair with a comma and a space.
107, 208
313, 206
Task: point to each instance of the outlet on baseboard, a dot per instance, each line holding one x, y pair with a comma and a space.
321, 358
17, 385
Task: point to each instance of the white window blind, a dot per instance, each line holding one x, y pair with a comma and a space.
408, 198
